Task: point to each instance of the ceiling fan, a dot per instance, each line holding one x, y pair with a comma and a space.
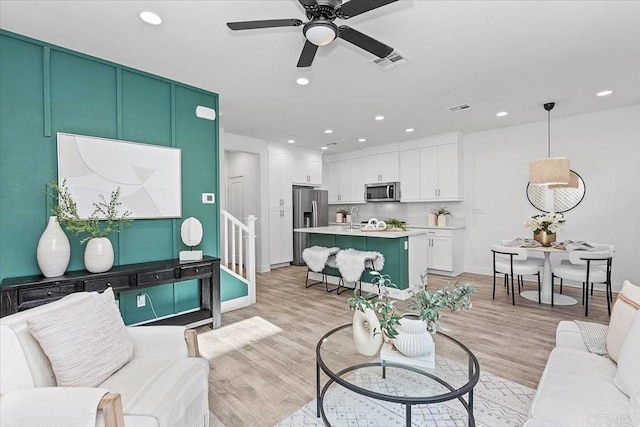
320, 30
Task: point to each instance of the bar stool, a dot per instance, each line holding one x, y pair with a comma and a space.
317, 259
352, 263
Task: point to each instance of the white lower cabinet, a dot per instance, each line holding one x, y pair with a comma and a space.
280, 236
445, 252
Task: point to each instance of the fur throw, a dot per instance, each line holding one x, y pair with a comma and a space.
316, 257
352, 263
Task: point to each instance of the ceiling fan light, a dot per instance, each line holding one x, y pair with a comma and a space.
320, 33
550, 171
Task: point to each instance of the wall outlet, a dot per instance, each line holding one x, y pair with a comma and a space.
208, 198
141, 300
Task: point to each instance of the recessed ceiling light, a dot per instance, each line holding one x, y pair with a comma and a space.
323, 148
409, 130
604, 93
502, 114
328, 131
362, 140
291, 141
150, 18
378, 118
302, 81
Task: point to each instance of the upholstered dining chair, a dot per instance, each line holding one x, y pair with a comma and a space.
588, 267
511, 261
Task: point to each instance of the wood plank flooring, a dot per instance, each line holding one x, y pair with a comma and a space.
263, 357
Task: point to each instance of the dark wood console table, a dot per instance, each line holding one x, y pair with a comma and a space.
22, 293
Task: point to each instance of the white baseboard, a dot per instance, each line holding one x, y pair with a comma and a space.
235, 304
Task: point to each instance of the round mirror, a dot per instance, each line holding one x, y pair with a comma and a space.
559, 199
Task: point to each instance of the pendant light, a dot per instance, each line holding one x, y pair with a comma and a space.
574, 182
552, 170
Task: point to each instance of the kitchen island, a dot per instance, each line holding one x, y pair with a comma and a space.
405, 252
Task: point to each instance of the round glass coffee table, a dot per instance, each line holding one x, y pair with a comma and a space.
455, 374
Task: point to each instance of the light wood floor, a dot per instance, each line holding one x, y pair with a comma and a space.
263, 357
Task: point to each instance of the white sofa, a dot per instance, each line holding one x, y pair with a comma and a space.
579, 388
161, 386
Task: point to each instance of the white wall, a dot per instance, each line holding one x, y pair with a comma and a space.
603, 147
239, 148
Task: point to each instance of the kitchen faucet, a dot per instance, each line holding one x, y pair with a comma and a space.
357, 213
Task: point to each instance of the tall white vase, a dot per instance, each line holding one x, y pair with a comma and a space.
98, 255
366, 332
54, 252
432, 220
442, 220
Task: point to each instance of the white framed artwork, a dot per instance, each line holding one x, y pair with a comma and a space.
149, 176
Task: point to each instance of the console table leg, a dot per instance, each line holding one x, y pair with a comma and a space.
408, 417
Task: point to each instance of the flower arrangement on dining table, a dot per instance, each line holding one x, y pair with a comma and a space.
549, 223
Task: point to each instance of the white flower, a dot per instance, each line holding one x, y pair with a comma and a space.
548, 223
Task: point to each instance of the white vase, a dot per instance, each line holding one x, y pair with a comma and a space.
442, 220
432, 220
364, 325
53, 252
413, 339
98, 255
338, 217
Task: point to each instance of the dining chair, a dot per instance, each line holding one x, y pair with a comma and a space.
588, 267
512, 261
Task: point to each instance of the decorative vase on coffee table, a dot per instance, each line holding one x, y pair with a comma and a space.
53, 252
98, 255
365, 326
545, 238
413, 340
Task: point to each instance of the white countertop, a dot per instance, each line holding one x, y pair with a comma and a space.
343, 230
430, 227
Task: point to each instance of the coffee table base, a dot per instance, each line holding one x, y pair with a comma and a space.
558, 299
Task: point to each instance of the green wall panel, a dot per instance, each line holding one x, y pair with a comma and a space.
45, 89
186, 295
159, 297
83, 96
231, 287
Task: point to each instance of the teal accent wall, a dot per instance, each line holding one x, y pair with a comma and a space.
45, 89
231, 287
396, 257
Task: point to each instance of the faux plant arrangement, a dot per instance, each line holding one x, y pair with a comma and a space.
426, 302
441, 210
67, 212
343, 211
549, 223
394, 223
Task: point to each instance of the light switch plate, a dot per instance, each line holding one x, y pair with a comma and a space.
208, 198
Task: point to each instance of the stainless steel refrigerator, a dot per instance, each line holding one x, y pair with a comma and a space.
310, 209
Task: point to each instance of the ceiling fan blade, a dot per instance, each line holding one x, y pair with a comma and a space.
357, 7
307, 55
363, 41
308, 3
269, 23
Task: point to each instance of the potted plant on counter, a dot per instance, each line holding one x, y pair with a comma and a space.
105, 219
341, 214
395, 224
440, 214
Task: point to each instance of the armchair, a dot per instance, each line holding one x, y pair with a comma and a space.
164, 384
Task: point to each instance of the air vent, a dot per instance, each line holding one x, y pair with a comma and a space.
391, 61
460, 107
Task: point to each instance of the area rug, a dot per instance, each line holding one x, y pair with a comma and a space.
497, 402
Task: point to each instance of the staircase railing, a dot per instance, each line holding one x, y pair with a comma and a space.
238, 249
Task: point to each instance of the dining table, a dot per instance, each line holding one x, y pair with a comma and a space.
546, 285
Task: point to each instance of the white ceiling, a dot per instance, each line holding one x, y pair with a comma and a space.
494, 55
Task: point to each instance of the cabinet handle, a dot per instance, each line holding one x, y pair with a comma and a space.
49, 293
197, 270
157, 276
109, 284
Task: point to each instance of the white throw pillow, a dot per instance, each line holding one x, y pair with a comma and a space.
628, 373
85, 343
624, 310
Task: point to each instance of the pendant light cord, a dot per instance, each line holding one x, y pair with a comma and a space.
549, 133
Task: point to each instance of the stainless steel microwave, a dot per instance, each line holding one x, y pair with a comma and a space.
382, 192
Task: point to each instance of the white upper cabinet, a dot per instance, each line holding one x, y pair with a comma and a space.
440, 173
280, 180
409, 175
307, 171
345, 181
381, 167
